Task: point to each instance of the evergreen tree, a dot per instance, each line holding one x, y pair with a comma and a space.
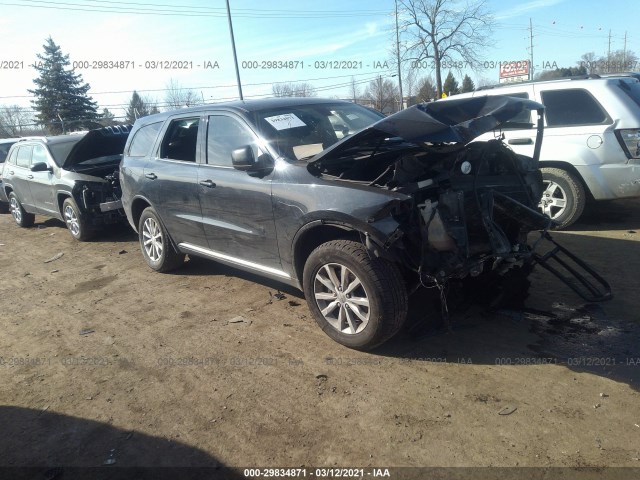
450, 86
61, 103
139, 107
107, 118
467, 85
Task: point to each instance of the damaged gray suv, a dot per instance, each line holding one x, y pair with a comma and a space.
357, 210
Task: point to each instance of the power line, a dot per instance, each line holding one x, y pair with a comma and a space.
382, 72
187, 12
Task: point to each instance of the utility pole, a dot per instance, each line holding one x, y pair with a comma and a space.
233, 46
398, 56
624, 52
530, 49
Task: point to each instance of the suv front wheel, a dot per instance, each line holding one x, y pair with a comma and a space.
357, 299
75, 221
563, 198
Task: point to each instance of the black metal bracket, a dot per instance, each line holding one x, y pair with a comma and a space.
572, 271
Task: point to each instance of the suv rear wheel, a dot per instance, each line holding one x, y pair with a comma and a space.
358, 300
21, 217
563, 198
157, 249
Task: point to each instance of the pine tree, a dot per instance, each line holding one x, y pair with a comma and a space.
139, 107
61, 103
467, 85
450, 86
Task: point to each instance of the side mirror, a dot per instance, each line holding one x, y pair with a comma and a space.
243, 159
41, 167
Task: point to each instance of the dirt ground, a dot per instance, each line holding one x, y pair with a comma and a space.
106, 362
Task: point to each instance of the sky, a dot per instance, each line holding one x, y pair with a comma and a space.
323, 43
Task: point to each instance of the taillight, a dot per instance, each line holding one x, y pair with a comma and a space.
630, 141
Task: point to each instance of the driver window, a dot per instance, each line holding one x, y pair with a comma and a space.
24, 157
39, 155
224, 135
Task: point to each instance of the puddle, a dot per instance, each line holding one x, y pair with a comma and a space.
585, 339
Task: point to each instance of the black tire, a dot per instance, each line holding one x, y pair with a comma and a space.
75, 221
562, 185
159, 253
19, 214
380, 282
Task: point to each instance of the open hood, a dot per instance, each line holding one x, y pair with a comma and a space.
101, 142
450, 121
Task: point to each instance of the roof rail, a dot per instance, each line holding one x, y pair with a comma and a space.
527, 82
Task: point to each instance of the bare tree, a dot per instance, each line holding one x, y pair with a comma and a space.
410, 85
177, 96
383, 94
14, 120
302, 89
427, 91
590, 62
446, 32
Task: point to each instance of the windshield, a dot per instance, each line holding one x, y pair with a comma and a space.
301, 131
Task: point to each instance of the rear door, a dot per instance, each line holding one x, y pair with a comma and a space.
237, 209
18, 177
41, 183
170, 180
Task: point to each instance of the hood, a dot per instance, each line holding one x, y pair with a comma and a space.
451, 121
101, 142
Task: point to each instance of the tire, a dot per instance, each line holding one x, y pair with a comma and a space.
563, 198
75, 221
156, 247
376, 285
18, 213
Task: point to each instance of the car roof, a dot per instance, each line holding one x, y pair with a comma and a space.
246, 106
9, 140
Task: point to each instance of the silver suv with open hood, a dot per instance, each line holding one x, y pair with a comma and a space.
357, 210
591, 147
69, 177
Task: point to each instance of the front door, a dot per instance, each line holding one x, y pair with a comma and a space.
237, 210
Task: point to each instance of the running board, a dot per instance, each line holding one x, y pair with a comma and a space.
573, 272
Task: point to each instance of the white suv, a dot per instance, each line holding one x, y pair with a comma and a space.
591, 146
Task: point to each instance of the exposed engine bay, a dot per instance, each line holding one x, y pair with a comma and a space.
470, 204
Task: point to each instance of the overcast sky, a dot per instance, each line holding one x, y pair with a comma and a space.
196, 33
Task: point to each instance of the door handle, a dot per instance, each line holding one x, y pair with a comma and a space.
520, 141
151, 176
10, 172
29, 177
207, 183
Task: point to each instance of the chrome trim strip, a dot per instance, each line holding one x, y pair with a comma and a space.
228, 258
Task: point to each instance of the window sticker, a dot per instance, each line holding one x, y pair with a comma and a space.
304, 151
285, 121
352, 116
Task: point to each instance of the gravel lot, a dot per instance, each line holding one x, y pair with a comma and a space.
104, 360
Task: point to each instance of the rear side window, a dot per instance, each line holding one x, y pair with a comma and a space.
24, 156
572, 107
523, 119
12, 158
181, 139
4, 151
143, 140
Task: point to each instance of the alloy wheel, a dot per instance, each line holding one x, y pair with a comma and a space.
152, 239
71, 218
16, 212
554, 200
341, 298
